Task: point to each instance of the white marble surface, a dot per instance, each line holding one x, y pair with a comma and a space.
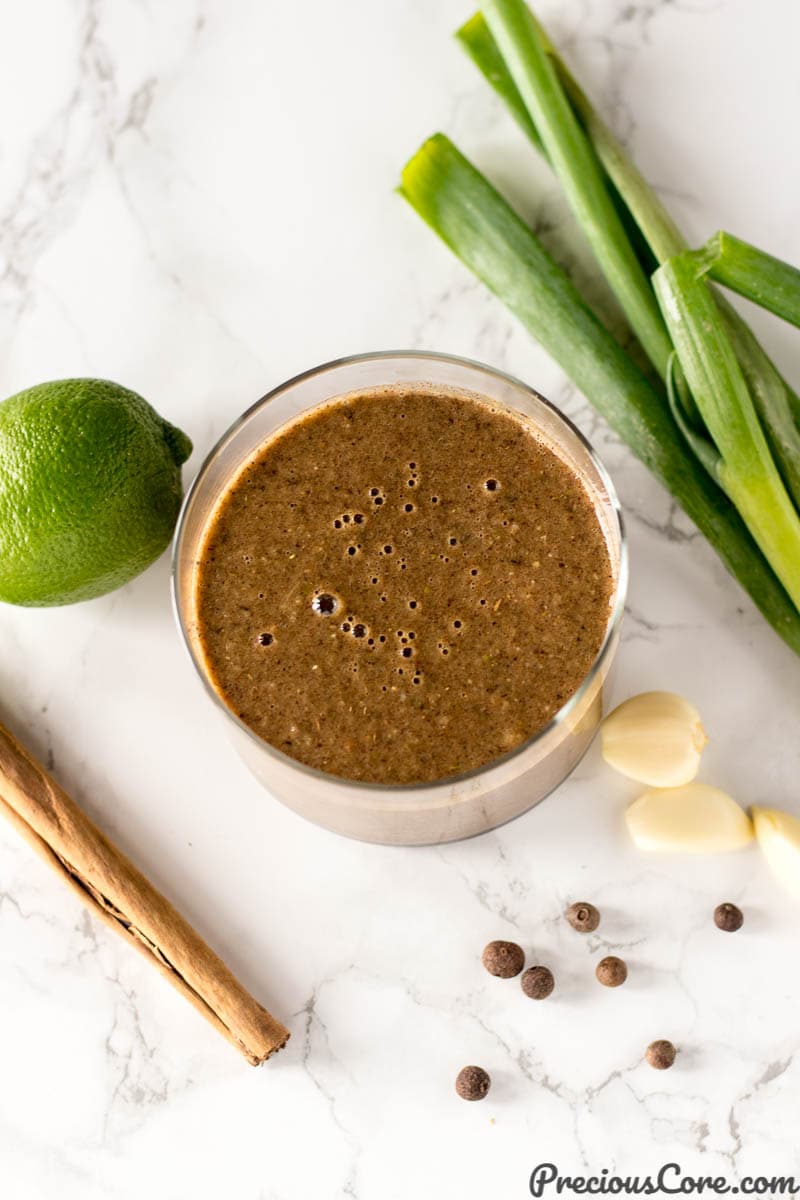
196, 200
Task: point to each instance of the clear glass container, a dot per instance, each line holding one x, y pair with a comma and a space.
459, 806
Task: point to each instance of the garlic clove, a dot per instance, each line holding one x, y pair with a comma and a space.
655, 738
693, 819
778, 836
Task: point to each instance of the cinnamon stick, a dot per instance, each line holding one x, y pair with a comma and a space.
114, 890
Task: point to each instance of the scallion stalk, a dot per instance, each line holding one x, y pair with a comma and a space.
746, 469
777, 404
637, 205
476, 39
771, 397
479, 226
518, 40
768, 281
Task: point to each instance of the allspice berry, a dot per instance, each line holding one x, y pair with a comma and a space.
728, 917
611, 971
537, 982
583, 916
504, 959
472, 1083
661, 1054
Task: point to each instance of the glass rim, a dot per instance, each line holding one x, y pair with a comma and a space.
559, 718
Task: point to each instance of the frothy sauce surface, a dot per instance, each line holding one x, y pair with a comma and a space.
402, 585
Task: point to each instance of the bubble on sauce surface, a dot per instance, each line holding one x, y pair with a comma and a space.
492, 485
265, 639
325, 603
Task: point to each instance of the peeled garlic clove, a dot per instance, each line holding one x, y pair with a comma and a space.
778, 836
694, 819
655, 738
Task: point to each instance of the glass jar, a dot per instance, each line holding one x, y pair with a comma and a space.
459, 806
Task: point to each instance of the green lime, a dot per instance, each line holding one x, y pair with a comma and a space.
90, 487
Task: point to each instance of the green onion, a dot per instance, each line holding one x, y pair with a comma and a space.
746, 469
779, 283
476, 39
634, 198
574, 162
697, 438
474, 220
777, 404
753, 273
656, 224
772, 399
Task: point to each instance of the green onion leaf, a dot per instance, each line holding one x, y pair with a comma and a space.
746, 471
655, 228
768, 281
651, 218
476, 39
573, 160
704, 449
771, 397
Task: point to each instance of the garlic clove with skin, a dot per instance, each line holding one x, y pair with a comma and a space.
778, 836
693, 819
655, 738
